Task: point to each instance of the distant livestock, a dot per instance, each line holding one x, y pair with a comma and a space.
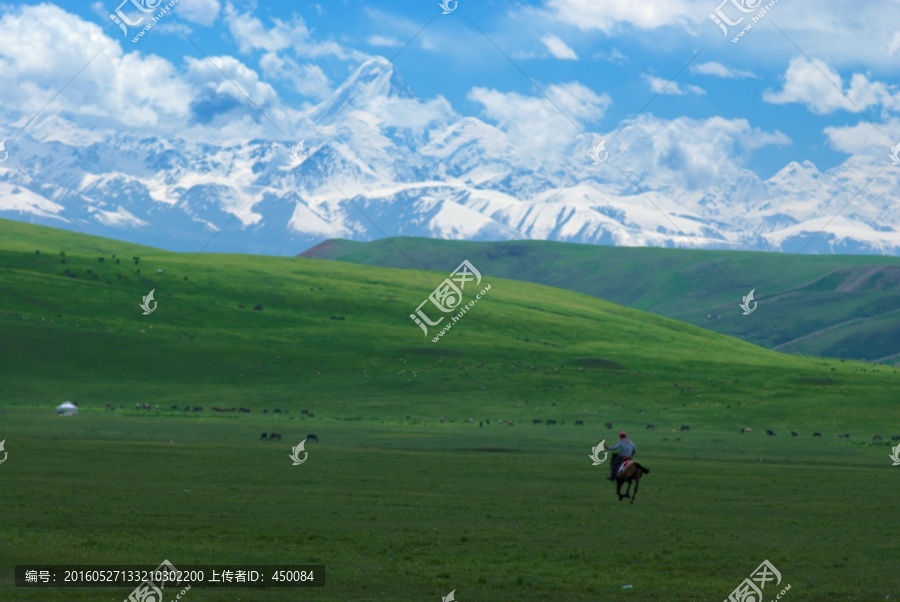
579, 423
685, 428
876, 438
650, 427
793, 433
258, 307
549, 422
771, 433
312, 437
608, 425
817, 434
263, 437
274, 436
536, 421
244, 410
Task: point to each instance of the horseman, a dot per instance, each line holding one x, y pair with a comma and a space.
624, 451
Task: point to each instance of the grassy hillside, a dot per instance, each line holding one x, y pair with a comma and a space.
405, 498
842, 306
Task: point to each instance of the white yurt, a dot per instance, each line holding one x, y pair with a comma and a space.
67, 408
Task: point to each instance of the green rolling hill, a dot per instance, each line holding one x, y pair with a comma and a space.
843, 306
341, 328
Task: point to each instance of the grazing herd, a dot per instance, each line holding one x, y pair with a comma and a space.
549, 422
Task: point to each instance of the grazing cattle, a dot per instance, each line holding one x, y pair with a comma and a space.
509, 423
551, 422
312, 437
302, 412
146, 406
846, 435
312, 415
187, 408
265, 411
480, 424
772, 433
258, 308
793, 433
173, 407
274, 436
876, 438
579, 423
650, 427
241, 306
817, 434
537, 421
895, 438
685, 428
109, 406
263, 437
156, 407
277, 411
198, 409
244, 410
608, 425
746, 430
442, 420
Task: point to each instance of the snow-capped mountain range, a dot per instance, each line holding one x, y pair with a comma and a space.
376, 164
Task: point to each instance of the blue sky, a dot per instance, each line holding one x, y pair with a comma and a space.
788, 77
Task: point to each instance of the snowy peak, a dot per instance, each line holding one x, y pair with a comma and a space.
376, 78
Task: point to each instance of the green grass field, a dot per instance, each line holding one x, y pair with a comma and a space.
395, 506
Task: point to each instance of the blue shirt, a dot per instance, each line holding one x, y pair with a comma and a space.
624, 447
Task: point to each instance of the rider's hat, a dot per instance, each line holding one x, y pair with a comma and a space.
622, 434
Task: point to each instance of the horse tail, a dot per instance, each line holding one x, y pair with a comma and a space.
644, 469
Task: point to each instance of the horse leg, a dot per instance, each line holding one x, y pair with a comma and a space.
619, 489
637, 483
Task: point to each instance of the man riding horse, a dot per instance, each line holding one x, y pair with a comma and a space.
625, 450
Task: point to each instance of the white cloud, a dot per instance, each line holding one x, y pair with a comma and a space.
719, 70
307, 79
558, 48
44, 46
388, 41
662, 86
202, 12
251, 34
822, 90
688, 153
606, 14
542, 129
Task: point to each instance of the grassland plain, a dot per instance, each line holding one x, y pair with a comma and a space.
402, 508
843, 306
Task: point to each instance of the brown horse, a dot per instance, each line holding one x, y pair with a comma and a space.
632, 472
